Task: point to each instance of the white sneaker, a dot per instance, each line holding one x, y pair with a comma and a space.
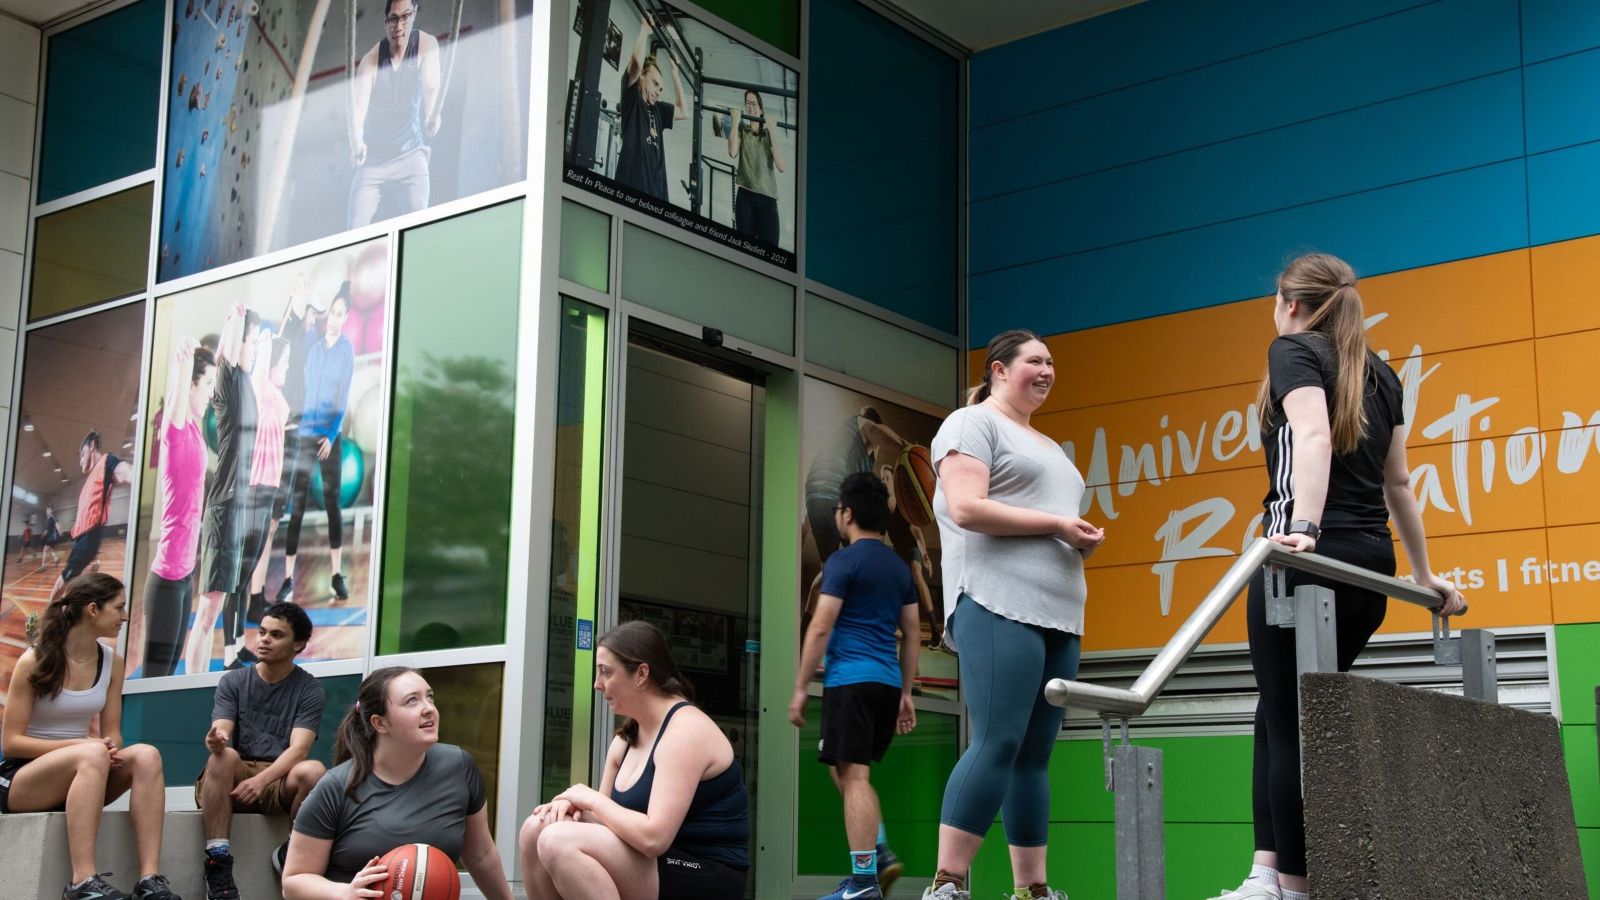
945, 892
1251, 890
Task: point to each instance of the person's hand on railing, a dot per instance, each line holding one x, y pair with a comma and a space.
1297, 543
1455, 604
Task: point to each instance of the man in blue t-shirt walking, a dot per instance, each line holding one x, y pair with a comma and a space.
866, 594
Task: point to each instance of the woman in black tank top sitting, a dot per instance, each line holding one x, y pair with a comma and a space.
671, 817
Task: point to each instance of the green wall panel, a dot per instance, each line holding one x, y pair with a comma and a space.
775, 21
447, 523
1578, 665
1583, 771
1589, 843
1207, 780
1201, 859
910, 809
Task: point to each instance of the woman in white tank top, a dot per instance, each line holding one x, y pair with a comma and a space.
50, 761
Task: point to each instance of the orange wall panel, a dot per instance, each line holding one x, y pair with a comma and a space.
1566, 286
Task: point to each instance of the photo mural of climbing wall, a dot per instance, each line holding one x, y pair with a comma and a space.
266, 409
290, 120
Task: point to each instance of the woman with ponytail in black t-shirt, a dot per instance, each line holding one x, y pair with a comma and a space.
1334, 431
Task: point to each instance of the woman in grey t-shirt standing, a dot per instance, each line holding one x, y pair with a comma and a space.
1007, 503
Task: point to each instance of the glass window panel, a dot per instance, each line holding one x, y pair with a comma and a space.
448, 518
909, 782
92, 252
575, 546
707, 290
102, 87
852, 342
468, 698
585, 246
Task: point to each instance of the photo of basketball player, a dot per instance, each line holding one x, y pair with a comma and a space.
73, 455
847, 433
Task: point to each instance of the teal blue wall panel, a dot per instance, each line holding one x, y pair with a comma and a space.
881, 168
1564, 194
1564, 101
101, 97
1553, 28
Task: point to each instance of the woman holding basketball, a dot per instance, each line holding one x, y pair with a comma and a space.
1007, 506
1333, 427
51, 762
671, 818
394, 784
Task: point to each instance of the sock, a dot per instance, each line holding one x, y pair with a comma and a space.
218, 847
1264, 875
78, 884
883, 836
1033, 892
943, 877
1293, 895
864, 864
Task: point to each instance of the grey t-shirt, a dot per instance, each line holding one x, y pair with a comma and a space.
1036, 579
264, 714
431, 808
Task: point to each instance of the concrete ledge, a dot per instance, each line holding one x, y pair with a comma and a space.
1413, 793
35, 862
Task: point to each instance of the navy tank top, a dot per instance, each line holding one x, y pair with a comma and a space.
717, 825
394, 114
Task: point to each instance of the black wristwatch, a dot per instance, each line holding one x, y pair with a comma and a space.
1305, 527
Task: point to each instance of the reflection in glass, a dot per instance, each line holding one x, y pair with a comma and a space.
468, 698
92, 252
74, 445
575, 547
102, 90
290, 120
448, 518
585, 246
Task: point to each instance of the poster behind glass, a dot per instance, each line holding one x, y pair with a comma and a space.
266, 404
668, 115
75, 459
290, 120
845, 433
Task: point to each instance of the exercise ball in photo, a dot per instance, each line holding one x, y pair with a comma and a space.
209, 427
372, 335
328, 273
419, 872
368, 277
365, 419
352, 472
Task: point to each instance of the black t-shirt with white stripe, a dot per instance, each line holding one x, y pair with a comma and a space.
1355, 479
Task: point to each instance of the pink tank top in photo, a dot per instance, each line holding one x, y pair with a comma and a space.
183, 479
272, 416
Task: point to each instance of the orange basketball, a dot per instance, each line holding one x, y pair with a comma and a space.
914, 481
420, 872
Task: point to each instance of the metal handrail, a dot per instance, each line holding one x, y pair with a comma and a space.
1129, 702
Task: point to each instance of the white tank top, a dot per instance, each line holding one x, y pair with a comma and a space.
66, 716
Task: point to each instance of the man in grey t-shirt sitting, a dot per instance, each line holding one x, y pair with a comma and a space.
264, 721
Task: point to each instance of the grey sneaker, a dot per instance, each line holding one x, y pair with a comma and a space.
946, 892
93, 888
155, 887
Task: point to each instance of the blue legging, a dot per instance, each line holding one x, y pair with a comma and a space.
1004, 667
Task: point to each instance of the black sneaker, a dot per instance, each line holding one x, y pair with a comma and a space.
219, 877
340, 589
257, 608
154, 887
93, 888
286, 590
280, 856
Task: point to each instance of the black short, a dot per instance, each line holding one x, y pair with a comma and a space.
857, 722
85, 547
222, 546
684, 876
8, 771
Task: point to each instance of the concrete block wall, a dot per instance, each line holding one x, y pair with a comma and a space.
20, 46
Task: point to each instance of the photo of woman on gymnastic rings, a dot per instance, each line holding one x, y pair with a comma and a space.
169, 589
1007, 504
1334, 430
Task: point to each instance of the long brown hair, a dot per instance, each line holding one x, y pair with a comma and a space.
1326, 286
50, 647
356, 738
639, 643
1004, 348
